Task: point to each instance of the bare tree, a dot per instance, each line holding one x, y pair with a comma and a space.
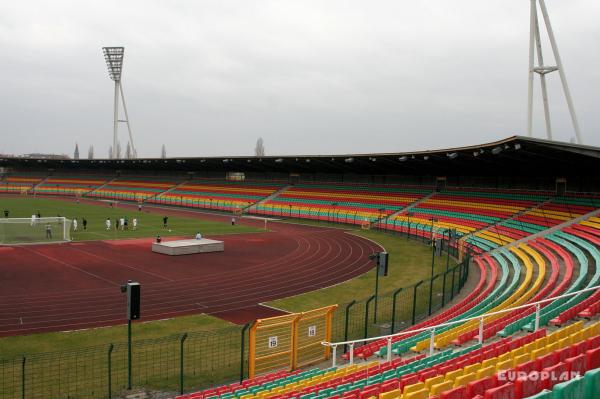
76, 152
128, 151
163, 151
91, 152
259, 150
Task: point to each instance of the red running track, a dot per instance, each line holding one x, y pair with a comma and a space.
76, 285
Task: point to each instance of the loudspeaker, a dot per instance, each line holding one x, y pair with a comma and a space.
382, 263
133, 301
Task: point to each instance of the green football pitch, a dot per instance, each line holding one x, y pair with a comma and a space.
150, 220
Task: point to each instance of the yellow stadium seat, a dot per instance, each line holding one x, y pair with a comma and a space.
504, 357
540, 342
517, 352
422, 394
564, 342
486, 372
577, 336
439, 388
505, 365
433, 381
396, 393
525, 357
537, 353
464, 379
577, 326
552, 347
413, 388
473, 368
451, 375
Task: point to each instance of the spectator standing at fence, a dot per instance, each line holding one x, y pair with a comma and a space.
84, 223
48, 231
107, 223
198, 236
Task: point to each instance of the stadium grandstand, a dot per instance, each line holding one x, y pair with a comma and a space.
517, 317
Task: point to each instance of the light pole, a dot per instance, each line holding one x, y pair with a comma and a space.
408, 215
114, 62
132, 289
451, 234
433, 220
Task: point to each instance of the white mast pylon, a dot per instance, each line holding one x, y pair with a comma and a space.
535, 46
114, 62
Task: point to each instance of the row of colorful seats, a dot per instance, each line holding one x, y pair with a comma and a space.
132, 189
353, 204
69, 185
218, 194
18, 184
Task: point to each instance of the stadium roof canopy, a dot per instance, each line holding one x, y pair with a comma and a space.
514, 156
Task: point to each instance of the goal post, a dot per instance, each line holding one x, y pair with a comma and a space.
14, 231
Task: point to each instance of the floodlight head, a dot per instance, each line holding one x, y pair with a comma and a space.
114, 61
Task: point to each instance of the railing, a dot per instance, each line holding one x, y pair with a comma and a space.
431, 329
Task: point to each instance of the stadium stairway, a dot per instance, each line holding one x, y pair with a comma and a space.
252, 207
108, 182
407, 209
35, 186
218, 194
175, 187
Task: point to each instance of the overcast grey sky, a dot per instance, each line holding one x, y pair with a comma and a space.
313, 77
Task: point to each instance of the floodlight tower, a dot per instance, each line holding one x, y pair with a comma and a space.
535, 46
114, 62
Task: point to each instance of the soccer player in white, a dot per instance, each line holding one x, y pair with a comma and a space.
134, 223
122, 223
33, 220
107, 223
74, 224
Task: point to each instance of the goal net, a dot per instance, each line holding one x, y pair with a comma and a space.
34, 230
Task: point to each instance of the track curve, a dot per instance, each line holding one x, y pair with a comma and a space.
76, 285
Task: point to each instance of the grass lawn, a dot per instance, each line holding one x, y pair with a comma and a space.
149, 222
409, 262
57, 341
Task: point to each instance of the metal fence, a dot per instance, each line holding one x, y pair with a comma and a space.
191, 361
